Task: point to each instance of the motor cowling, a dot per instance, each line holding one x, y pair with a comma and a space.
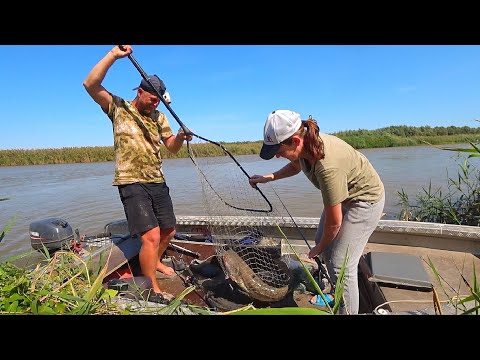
52, 233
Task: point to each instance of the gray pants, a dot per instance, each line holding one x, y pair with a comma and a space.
360, 219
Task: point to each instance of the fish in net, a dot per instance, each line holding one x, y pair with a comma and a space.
237, 218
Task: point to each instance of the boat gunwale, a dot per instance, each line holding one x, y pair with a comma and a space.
462, 238
311, 222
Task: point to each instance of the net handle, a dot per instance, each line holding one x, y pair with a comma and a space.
186, 130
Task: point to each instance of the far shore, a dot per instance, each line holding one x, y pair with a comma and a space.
393, 136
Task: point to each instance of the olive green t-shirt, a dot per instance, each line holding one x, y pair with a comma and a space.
137, 141
345, 174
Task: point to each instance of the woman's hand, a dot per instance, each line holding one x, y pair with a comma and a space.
315, 251
259, 179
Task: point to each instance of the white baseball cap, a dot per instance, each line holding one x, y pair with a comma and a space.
280, 125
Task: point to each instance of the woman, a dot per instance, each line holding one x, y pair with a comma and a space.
353, 194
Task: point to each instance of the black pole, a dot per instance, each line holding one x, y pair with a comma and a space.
189, 132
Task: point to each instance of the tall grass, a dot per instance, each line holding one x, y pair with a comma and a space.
464, 304
67, 284
7, 227
459, 205
392, 136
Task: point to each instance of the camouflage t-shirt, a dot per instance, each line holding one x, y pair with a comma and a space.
137, 141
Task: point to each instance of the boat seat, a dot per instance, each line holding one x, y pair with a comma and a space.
398, 270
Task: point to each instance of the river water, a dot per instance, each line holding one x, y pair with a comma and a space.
83, 195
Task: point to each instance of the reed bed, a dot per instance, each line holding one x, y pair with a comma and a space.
392, 136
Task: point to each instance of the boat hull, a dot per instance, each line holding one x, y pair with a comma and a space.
453, 250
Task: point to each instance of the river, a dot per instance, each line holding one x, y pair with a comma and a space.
83, 195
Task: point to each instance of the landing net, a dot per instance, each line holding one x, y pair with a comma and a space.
243, 222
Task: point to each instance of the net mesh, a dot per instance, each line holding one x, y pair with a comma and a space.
240, 216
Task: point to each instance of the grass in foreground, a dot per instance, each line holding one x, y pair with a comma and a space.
65, 284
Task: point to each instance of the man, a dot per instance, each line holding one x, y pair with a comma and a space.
138, 130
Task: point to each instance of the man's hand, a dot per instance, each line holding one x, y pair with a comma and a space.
121, 51
185, 136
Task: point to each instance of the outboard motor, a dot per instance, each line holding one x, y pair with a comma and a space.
117, 228
53, 233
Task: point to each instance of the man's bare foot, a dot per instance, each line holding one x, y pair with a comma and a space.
167, 270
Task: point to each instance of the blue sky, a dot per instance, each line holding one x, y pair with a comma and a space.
225, 92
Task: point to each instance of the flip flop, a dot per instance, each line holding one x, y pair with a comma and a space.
319, 301
158, 298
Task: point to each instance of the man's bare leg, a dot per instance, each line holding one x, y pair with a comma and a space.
165, 236
148, 255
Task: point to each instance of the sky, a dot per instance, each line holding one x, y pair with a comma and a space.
225, 92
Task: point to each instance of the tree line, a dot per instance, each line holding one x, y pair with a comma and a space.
391, 136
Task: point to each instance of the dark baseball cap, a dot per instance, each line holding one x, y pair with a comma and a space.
156, 81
